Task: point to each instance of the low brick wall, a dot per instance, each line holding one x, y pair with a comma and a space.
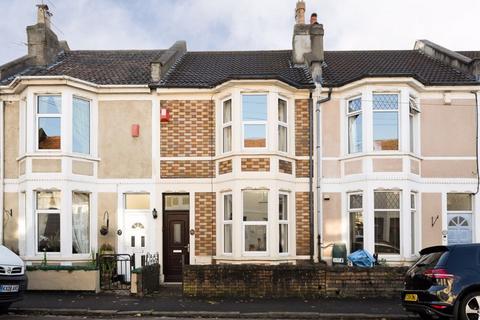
307, 281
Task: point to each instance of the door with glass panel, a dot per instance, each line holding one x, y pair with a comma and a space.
459, 218
138, 240
176, 246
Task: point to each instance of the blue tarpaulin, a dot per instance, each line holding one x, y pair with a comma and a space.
362, 259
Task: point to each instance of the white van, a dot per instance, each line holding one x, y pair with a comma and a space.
13, 280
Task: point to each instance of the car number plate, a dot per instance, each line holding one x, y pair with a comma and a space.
9, 288
411, 297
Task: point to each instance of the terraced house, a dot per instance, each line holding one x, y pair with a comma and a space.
237, 156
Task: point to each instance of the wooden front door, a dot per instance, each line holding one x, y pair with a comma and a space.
175, 244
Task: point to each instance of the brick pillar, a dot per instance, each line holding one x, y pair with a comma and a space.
302, 224
205, 224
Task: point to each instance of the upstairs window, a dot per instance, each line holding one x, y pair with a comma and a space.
282, 125
355, 123
81, 126
254, 117
414, 111
49, 116
385, 122
227, 125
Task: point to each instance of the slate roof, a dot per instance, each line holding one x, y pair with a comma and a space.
209, 69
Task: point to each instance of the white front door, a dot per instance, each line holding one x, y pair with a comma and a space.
459, 228
137, 239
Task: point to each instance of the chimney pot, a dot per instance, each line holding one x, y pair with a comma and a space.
300, 12
43, 14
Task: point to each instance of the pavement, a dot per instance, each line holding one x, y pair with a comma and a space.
170, 303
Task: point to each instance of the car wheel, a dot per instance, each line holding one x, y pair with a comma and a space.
470, 307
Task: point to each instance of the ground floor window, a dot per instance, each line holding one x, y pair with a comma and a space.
80, 223
255, 220
387, 222
413, 221
227, 223
283, 223
355, 213
48, 221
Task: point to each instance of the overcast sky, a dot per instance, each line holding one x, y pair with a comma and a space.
242, 24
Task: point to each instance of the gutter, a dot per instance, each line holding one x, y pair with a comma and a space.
318, 155
310, 175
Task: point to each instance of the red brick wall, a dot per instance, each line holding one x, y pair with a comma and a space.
285, 166
255, 164
171, 169
301, 127
301, 168
205, 235
191, 129
225, 167
302, 223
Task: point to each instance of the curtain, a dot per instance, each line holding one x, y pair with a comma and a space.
81, 223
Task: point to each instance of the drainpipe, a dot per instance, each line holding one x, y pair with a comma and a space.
1, 172
310, 175
318, 156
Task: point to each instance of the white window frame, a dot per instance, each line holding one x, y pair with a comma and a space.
351, 210
284, 222
399, 120
414, 225
48, 115
226, 222
414, 125
256, 223
352, 114
399, 210
46, 211
89, 222
257, 122
282, 124
226, 125
90, 135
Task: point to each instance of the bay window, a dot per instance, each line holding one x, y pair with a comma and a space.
227, 125
254, 117
81, 125
227, 223
385, 122
48, 221
354, 116
282, 125
355, 214
387, 221
283, 223
49, 115
255, 219
80, 223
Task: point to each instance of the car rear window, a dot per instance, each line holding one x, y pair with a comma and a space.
431, 260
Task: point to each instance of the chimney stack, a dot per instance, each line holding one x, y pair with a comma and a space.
300, 12
43, 44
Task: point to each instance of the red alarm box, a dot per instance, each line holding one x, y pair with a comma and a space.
164, 115
135, 130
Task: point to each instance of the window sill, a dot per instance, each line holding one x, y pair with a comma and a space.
58, 155
380, 154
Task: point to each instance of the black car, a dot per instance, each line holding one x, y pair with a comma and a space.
445, 283
13, 281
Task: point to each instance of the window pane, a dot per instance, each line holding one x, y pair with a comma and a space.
283, 238
49, 105
227, 238
387, 232
282, 110
137, 201
412, 134
356, 201
81, 126
385, 130
177, 202
48, 200
283, 207
227, 111
254, 108
282, 138
49, 133
355, 133
387, 200
227, 139
48, 232
412, 226
255, 205
355, 105
412, 201
255, 136
356, 231
255, 238
177, 233
81, 223
385, 102
459, 202
227, 207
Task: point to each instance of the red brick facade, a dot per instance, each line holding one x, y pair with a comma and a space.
205, 224
171, 169
285, 166
301, 168
225, 167
301, 127
302, 223
255, 164
191, 129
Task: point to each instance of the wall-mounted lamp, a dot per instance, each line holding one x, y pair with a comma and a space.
106, 224
8, 212
154, 213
